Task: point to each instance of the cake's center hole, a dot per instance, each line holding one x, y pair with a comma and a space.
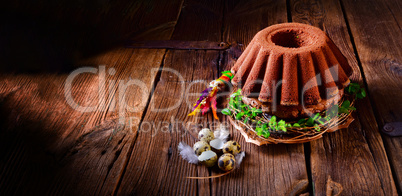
291, 38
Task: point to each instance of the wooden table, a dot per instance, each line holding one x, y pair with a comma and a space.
47, 147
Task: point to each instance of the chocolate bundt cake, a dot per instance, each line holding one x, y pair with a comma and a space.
291, 70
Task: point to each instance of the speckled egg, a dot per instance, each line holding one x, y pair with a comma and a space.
200, 147
217, 145
206, 135
226, 162
231, 147
208, 158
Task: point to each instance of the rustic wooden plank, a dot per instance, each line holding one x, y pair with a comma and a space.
69, 134
155, 167
376, 30
48, 147
355, 158
266, 170
379, 57
106, 152
243, 19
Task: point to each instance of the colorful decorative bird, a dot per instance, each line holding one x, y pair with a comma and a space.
208, 96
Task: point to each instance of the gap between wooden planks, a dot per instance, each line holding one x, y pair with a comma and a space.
154, 166
267, 170
370, 147
376, 29
54, 149
121, 141
356, 157
286, 172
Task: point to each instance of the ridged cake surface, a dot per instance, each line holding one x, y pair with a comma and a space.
292, 65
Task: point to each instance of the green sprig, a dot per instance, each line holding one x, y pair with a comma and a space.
356, 90
248, 114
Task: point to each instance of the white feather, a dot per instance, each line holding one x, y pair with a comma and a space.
187, 153
239, 158
221, 133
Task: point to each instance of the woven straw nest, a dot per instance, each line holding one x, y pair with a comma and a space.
293, 135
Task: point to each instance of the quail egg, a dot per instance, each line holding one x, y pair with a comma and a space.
200, 147
206, 135
216, 145
232, 147
208, 158
226, 162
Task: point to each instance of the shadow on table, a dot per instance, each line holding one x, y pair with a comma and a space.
26, 164
51, 36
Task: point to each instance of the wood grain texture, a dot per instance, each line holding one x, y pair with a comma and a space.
376, 30
271, 169
155, 167
110, 148
351, 156
82, 148
243, 19
48, 147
